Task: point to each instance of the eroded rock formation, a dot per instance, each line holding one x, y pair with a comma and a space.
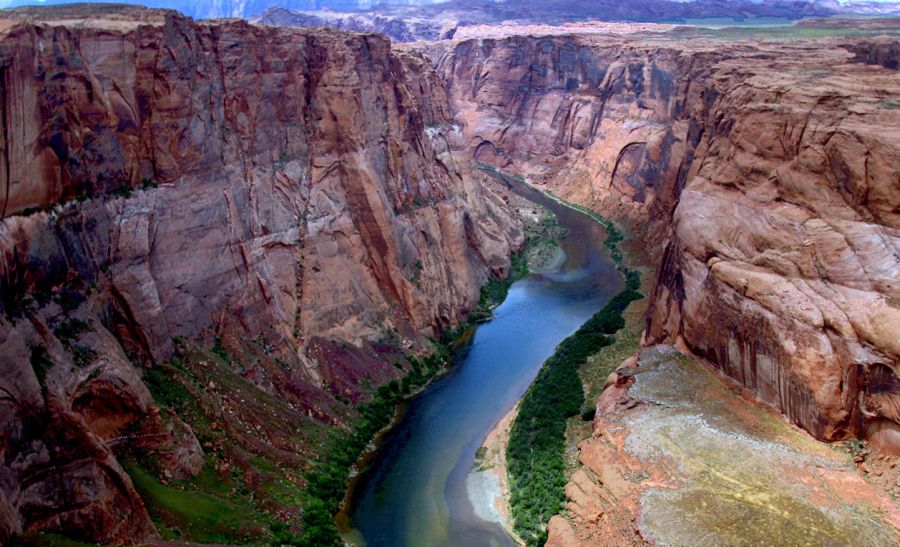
165, 179
771, 185
678, 456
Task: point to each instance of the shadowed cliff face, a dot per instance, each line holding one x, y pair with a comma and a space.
165, 180
770, 184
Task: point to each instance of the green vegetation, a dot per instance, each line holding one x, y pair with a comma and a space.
200, 516
327, 482
235, 497
535, 453
67, 332
122, 191
494, 292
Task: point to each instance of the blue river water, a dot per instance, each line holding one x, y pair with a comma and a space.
413, 492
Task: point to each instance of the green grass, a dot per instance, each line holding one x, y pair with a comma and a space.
197, 515
218, 506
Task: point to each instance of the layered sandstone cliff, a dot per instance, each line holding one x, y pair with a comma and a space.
292, 192
770, 183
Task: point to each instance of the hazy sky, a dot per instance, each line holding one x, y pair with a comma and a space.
6, 3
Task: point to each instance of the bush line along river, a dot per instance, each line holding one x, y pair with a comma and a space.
413, 491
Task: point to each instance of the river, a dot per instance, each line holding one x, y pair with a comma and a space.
413, 492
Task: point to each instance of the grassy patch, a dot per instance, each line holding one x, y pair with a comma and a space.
241, 492
197, 515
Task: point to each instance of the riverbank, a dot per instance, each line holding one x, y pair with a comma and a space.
541, 252
535, 452
416, 492
488, 482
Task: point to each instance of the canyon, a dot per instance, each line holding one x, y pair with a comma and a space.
768, 185
465, 12
288, 195
279, 220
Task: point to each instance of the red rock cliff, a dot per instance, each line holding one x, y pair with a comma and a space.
770, 181
165, 178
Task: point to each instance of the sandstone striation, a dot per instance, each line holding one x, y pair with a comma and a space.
306, 200
166, 180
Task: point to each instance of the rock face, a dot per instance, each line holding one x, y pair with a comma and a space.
602, 124
786, 245
169, 180
770, 184
489, 11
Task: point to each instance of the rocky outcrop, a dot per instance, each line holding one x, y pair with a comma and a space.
167, 180
678, 457
771, 201
884, 53
782, 266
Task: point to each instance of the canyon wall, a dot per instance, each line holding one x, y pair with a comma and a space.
293, 192
765, 185
591, 118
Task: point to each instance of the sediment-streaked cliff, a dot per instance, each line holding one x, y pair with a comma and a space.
289, 195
